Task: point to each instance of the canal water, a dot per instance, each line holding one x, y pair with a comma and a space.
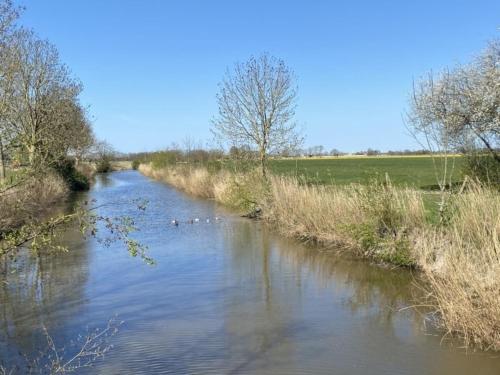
226, 296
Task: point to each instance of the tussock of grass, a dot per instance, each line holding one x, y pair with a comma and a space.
460, 257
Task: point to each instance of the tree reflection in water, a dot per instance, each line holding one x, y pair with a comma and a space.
41, 290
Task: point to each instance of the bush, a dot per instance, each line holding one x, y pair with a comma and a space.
482, 167
103, 165
135, 164
75, 180
163, 159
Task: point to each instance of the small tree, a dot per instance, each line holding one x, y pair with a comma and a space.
459, 108
256, 107
103, 153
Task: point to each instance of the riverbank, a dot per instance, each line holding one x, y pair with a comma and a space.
459, 258
29, 197
26, 199
30, 200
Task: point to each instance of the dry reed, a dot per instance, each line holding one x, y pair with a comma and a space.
462, 264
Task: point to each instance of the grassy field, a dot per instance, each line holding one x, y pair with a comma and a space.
415, 171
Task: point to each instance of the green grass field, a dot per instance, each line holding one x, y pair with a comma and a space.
415, 171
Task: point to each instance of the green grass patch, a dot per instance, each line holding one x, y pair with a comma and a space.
418, 172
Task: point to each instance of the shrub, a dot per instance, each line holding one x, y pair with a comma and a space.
135, 164
103, 165
75, 180
482, 167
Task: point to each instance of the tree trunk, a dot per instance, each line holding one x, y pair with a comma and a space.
489, 147
2, 162
263, 164
31, 156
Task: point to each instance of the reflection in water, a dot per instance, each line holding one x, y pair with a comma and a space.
41, 290
226, 297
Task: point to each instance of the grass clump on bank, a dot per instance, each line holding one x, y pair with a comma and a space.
459, 256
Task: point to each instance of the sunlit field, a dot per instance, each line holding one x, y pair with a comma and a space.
414, 171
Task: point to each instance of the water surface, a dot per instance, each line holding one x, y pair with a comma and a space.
226, 297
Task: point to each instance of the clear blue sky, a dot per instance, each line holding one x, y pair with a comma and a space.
151, 68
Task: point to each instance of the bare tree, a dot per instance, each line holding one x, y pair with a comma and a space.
8, 15
256, 107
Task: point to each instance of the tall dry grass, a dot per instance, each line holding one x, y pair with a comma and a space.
195, 181
460, 258
231, 189
30, 200
462, 264
374, 221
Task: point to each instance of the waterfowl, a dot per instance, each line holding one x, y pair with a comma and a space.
175, 222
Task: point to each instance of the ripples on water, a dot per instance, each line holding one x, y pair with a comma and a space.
225, 297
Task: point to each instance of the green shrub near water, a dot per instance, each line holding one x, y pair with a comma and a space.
75, 180
385, 233
103, 165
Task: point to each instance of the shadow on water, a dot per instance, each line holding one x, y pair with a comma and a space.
226, 297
